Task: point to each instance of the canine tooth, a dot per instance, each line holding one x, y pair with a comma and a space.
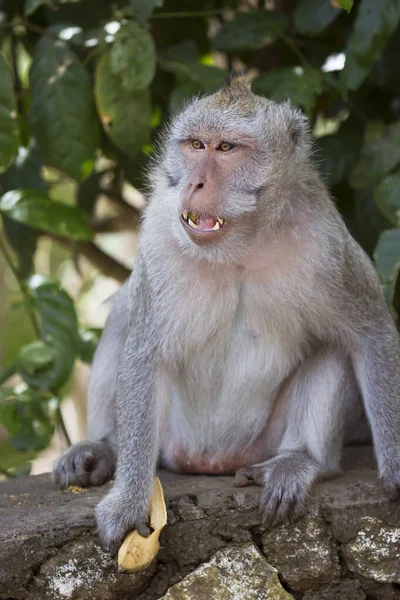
220, 221
185, 214
216, 226
193, 225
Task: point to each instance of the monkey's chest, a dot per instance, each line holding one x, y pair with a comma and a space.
221, 398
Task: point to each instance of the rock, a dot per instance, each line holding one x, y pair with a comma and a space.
347, 589
234, 573
83, 571
375, 551
49, 549
290, 547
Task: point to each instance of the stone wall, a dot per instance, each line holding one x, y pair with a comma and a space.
346, 547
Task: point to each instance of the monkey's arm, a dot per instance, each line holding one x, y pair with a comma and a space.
375, 351
376, 361
126, 506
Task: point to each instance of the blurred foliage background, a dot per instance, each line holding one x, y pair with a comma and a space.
86, 85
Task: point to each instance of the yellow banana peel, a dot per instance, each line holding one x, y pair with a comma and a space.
137, 552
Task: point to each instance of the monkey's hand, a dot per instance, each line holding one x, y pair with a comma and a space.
85, 464
118, 514
286, 481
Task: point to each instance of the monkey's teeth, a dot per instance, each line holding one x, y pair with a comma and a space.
216, 226
185, 214
220, 221
193, 225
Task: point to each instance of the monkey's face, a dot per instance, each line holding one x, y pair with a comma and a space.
212, 162
221, 160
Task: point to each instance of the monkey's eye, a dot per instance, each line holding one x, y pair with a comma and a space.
197, 144
225, 146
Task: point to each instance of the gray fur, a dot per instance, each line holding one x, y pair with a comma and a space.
259, 343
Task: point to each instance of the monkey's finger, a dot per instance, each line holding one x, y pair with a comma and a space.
61, 477
269, 504
241, 480
82, 463
143, 529
254, 475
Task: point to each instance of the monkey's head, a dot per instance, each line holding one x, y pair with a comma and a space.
232, 163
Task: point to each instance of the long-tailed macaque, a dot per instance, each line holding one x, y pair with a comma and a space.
253, 331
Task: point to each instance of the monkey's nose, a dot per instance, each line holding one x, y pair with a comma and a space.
196, 186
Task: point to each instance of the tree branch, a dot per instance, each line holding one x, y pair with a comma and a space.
107, 265
17, 80
118, 199
104, 262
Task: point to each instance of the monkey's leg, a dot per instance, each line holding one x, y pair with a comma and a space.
93, 462
320, 396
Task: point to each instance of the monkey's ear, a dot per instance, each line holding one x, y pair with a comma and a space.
298, 128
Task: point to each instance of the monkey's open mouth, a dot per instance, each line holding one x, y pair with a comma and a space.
202, 222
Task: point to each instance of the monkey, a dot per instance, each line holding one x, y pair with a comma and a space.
252, 338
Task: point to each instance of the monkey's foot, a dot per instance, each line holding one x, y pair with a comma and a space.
85, 464
116, 516
390, 481
286, 479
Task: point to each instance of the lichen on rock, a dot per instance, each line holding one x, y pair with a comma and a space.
375, 552
304, 553
233, 573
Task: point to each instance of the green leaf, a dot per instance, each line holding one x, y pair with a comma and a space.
186, 51
144, 8
181, 94
133, 57
62, 110
25, 170
346, 4
29, 417
377, 159
58, 327
35, 356
125, 115
311, 17
375, 23
32, 5
57, 316
203, 78
88, 341
250, 31
369, 223
36, 209
11, 459
339, 154
387, 198
387, 258
299, 85
8, 116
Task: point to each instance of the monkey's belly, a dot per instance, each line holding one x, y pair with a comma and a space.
175, 457
221, 458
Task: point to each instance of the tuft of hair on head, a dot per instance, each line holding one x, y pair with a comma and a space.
235, 87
